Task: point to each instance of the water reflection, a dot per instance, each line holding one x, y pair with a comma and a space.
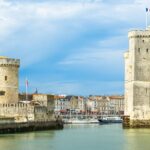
76, 126
137, 139
80, 137
29, 141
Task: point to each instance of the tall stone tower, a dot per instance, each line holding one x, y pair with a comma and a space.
137, 78
9, 80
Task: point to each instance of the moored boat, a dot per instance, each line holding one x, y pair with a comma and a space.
81, 121
93, 120
106, 120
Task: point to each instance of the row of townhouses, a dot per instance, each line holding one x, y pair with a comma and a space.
96, 105
100, 105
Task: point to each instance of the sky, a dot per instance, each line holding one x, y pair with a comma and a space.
70, 46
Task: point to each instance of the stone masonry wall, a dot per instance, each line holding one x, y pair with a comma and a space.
21, 112
26, 112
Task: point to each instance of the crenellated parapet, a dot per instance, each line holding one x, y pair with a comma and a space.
15, 105
4, 61
139, 33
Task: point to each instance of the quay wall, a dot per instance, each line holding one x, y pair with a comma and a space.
30, 126
135, 123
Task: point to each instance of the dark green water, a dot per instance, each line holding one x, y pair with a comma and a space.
79, 137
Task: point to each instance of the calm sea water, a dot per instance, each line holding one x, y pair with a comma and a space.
79, 137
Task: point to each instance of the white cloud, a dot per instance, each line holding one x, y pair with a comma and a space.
84, 33
101, 52
100, 62
16, 16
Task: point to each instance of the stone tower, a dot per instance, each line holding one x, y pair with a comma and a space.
9, 80
137, 78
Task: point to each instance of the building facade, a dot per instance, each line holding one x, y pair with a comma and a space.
62, 105
116, 104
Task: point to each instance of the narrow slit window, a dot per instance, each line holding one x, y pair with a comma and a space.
5, 78
143, 41
139, 50
147, 50
2, 93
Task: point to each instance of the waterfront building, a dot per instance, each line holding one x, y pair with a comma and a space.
116, 103
103, 105
62, 105
73, 102
92, 104
67, 104
106, 105
137, 79
81, 105
42, 99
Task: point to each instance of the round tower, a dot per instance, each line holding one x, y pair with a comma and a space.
9, 80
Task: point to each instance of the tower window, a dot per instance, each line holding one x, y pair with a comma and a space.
143, 41
147, 50
2, 93
5, 78
139, 50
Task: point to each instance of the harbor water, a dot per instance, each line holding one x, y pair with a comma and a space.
79, 137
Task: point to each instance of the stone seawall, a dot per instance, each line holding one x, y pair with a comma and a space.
135, 123
30, 126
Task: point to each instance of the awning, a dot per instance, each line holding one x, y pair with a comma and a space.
63, 111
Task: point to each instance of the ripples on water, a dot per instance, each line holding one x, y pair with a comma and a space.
79, 137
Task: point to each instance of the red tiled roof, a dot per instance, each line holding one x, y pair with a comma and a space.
116, 97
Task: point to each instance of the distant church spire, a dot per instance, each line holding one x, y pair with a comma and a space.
36, 91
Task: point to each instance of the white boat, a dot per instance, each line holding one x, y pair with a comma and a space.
67, 121
114, 119
81, 121
93, 120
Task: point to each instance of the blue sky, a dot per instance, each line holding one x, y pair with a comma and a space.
70, 46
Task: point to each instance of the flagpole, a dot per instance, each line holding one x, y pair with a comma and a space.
26, 89
146, 19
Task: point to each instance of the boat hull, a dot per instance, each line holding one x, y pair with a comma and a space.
81, 122
107, 120
101, 121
